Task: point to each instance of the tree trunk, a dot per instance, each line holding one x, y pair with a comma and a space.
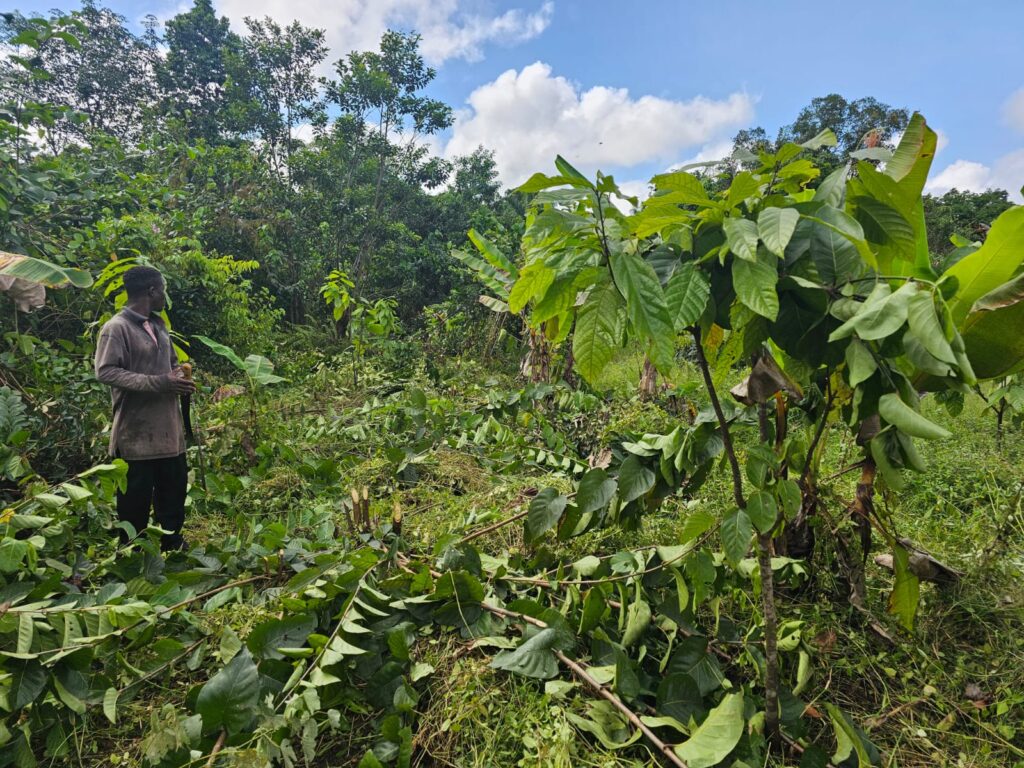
537, 363
1000, 411
342, 323
853, 556
648, 380
569, 372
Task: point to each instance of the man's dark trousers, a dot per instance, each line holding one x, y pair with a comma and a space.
162, 484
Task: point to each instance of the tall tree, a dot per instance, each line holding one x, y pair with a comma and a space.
105, 80
278, 66
966, 214
380, 97
193, 76
861, 121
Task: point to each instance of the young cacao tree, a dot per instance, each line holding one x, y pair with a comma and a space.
823, 287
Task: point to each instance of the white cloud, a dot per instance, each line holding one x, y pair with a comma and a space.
638, 188
717, 150
528, 117
962, 175
1013, 110
448, 30
1005, 173
303, 132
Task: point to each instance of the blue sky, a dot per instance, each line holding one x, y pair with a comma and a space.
636, 87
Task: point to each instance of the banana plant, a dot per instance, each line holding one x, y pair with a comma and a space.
259, 374
499, 274
25, 279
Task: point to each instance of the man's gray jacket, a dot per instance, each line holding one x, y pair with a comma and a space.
147, 416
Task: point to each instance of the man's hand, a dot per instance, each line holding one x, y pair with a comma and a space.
176, 383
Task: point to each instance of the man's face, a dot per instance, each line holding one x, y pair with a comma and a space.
158, 296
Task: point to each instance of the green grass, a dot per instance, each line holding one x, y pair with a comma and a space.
909, 694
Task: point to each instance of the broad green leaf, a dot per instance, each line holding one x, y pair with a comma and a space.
28, 681
833, 188
607, 725
880, 447
881, 154
848, 740
906, 419
261, 370
789, 496
691, 654
557, 299
743, 185
687, 295
994, 343
533, 658
634, 479
665, 260
495, 305
925, 325
685, 187
627, 682
222, 350
860, 363
42, 272
569, 172
654, 721
594, 342
696, 523
992, 265
741, 235
886, 190
834, 256
826, 138
545, 510
534, 280
646, 308
458, 584
289, 632
594, 491
679, 697
230, 697
755, 282
776, 227
230, 644
540, 181
594, 607
638, 617
736, 530
110, 705
906, 589
659, 216
881, 315
492, 253
842, 223
1006, 295
717, 736
68, 698
762, 510
913, 157
497, 281
26, 632
884, 225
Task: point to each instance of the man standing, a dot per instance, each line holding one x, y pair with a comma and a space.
134, 356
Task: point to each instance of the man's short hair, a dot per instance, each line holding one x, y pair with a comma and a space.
138, 280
